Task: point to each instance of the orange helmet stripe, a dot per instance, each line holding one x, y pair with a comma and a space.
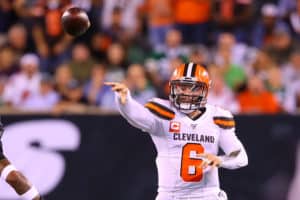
191, 70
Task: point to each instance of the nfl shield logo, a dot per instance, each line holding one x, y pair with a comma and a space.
193, 126
174, 127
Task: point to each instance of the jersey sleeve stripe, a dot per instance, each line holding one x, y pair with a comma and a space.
162, 107
224, 118
225, 127
224, 122
160, 110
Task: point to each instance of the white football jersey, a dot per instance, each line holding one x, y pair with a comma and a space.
179, 140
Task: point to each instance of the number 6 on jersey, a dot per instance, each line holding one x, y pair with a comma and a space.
190, 165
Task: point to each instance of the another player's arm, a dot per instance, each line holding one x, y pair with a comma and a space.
17, 181
15, 178
136, 114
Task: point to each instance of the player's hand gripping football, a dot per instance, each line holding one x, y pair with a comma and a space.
120, 88
209, 160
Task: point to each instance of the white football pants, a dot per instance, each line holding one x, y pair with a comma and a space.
207, 195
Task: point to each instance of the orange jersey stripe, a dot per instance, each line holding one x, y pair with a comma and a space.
160, 111
224, 123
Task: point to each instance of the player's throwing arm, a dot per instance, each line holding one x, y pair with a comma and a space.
135, 113
120, 88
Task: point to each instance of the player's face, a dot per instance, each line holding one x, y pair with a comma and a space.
188, 92
188, 96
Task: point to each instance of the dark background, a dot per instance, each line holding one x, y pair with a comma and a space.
117, 161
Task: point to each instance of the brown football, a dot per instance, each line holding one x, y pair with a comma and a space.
75, 21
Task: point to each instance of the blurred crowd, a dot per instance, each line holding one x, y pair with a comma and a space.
250, 47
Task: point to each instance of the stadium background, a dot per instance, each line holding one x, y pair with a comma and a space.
61, 121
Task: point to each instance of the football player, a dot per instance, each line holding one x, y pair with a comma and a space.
187, 133
15, 178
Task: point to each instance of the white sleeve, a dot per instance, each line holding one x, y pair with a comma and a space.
235, 153
136, 114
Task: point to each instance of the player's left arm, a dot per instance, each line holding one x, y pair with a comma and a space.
235, 153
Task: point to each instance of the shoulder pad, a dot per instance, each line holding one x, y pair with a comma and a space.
160, 108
